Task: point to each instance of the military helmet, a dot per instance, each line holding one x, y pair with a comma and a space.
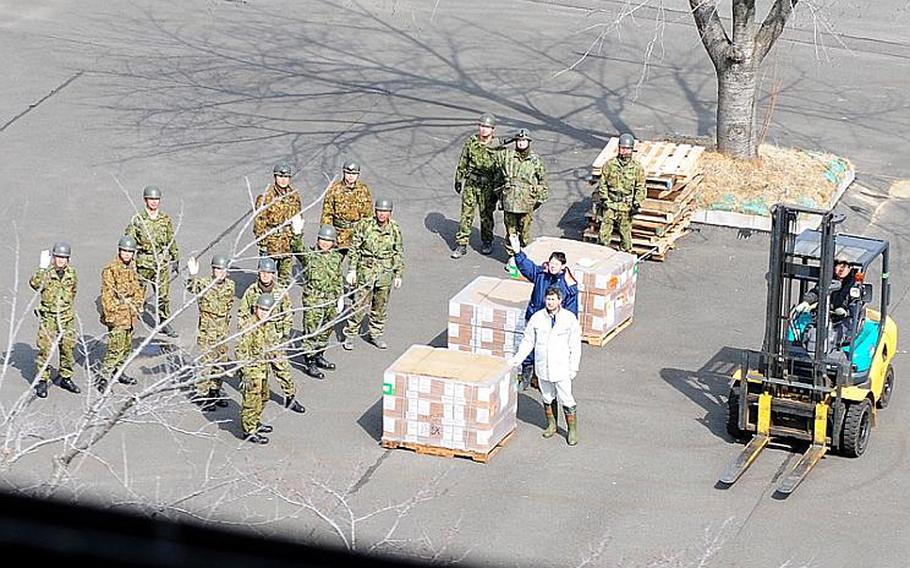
151, 192
220, 261
523, 134
487, 119
127, 243
351, 167
282, 169
626, 140
268, 265
326, 233
383, 204
62, 250
265, 301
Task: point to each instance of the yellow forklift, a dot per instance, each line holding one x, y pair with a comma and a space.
824, 368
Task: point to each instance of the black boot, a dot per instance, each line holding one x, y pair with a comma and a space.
310, 368
41, 389
264, 428
219, 397
126, 379
293, 404
460, 251
68, 384
101, 385
169, 331
256, 438
322, 362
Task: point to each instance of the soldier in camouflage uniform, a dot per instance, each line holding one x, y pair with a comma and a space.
122, 298
156, 254
525, 188
55, 282
215, 304
476, 179
280, 320
276, 208
620, 193
376, 266
258, 348
322, 291
346, 202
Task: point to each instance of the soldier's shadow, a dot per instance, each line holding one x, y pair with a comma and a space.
439, 224
24, 357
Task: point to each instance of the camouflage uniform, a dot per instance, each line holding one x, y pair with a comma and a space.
57, 318
280, 324
276, 207
214, 322
259, 348
156, 253
323, 285
376, 256
122, 298
525, 189
622, 184
344, 206
477, 169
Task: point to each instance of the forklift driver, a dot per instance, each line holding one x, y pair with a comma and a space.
842, 317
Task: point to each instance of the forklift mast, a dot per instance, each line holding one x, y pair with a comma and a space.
785, 266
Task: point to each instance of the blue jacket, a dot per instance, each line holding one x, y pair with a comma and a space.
542, 279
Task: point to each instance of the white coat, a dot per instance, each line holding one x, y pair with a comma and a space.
556, 346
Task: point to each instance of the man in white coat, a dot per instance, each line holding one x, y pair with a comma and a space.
554, 335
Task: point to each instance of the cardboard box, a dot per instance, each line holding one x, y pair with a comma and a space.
606, 281
449, 399
487, 316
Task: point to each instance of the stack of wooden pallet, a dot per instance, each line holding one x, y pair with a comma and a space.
448, 403
606, 284
672, 175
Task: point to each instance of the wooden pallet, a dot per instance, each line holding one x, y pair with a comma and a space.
665, 163
601, 340
447, 452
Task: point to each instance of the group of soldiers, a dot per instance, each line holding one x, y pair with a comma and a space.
489, 172
358, 252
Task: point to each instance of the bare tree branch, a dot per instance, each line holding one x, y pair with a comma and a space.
711, 30
772, 27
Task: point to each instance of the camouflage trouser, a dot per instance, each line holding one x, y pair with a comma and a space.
484, 202
285, 264
282, 369
318, 322
519, 224
376, 297
255, 395
160, 283
119, 344
55, 331
214, 359
612, 217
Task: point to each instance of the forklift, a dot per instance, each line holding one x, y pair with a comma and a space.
823, 370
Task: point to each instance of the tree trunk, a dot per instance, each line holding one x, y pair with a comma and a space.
736, 94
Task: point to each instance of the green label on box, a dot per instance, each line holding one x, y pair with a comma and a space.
388, 388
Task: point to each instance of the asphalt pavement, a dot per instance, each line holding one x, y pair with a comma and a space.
202, 97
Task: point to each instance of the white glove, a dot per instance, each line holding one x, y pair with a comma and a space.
802, 307
45, 259
192, 265
397, 282
840, 312
351, 278
297, 224
515, 242
339, 307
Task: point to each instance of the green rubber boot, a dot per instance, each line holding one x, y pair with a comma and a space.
551, 411
571, 422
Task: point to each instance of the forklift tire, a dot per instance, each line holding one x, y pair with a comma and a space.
857, 427
733, 416
885, 399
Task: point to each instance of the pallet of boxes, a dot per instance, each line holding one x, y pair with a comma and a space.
606, 284
672, 175
460, 401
